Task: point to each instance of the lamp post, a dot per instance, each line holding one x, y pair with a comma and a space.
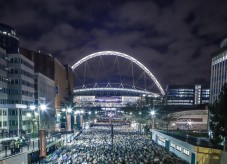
152, 119
29, 115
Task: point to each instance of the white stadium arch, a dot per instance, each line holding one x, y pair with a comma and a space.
114, 53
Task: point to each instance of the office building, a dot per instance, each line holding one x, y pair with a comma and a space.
8, 39
50, 67
218, 71
187, 95
17, 92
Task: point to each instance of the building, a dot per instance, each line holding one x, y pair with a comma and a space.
8, 39
62, 75
45, 94
218, 71
17, 85
187, 95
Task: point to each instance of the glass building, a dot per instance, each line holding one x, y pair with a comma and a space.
187, 94
218, 71
8, 39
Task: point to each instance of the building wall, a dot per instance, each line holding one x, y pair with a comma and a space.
3, 77
45, 93
198, 120
44, 63
218, 72
61, 84
21, 90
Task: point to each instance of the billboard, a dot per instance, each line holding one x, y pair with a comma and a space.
42, 143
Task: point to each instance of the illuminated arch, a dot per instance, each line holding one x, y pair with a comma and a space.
114, 53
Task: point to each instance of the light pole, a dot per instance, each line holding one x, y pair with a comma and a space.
29, 115
152, 119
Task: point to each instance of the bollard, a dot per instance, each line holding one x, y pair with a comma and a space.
33, 144
5, 150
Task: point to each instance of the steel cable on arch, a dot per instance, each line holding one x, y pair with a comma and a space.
114, 53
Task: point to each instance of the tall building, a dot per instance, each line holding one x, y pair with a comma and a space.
8, 39
218, 71
49, 66
187, 94
17, 92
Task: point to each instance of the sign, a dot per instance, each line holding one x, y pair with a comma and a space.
42, 143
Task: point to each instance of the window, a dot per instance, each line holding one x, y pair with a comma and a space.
178, 148
185, 151
172, 145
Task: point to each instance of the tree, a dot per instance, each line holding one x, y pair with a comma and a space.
67, 103
218, 117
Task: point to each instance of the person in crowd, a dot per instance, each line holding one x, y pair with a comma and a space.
94, 146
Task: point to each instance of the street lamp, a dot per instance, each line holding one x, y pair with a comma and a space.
152, 118
29, 115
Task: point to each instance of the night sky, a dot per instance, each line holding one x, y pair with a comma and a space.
173, 38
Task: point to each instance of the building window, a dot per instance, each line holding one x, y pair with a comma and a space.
185, 151
178, 148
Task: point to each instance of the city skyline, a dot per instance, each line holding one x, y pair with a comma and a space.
172, 38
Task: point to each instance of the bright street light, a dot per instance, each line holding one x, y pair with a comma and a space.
69, 110
29, 115
43, 107
152, 113
32, 107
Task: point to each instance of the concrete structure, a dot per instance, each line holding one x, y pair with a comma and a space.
187, 95
189, 120
200, 152
218, 71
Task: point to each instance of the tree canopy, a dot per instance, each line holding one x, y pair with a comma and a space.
218, 117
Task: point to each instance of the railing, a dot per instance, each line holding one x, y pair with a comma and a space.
8, 149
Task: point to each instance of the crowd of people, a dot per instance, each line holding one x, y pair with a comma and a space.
94, 146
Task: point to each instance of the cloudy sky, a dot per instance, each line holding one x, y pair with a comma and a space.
173, 38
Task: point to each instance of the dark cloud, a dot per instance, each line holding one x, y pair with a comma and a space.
173, 38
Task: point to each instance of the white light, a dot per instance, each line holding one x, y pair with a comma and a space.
58, 114
69, 110
140, 113
29, 114
89, 113
63, 110
130, 113
96, 112
32, 107
81, 111
152, 113
43, 107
